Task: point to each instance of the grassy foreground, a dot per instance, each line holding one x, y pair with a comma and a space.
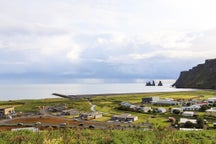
87, 136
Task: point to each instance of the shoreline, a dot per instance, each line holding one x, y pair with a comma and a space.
115, 94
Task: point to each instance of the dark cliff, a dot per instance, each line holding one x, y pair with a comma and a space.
203, 76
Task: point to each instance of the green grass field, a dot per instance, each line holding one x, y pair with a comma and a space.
108, 136
108, 105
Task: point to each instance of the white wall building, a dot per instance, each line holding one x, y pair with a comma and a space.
211, 111
188, 113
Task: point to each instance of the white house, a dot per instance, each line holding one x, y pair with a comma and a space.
91, 115
184, 120
161, 110
145, 109
124, 118
33, 129
211, 100
188, 113
211, 111
192, 107
125, 104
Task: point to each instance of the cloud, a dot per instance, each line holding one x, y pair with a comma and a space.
105, 39
74, 54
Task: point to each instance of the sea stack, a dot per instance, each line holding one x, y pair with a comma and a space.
160, 83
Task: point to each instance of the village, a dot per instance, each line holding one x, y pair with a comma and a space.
181, 114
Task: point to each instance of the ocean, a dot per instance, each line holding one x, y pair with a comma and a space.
39, 91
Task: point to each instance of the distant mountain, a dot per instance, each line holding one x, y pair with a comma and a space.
202, 76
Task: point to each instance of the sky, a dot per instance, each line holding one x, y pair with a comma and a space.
58, 41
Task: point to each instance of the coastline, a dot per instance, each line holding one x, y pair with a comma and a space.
78, 96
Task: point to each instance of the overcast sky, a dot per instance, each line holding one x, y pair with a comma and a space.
63, 40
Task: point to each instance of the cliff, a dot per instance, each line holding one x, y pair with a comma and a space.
203, 76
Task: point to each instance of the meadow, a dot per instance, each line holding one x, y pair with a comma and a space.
108, 136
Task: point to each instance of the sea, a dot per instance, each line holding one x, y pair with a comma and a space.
41, 91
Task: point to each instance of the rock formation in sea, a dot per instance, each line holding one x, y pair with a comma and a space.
153, 83
202, 76
160, 83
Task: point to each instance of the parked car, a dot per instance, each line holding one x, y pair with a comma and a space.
62, 124
37, 123
91, 126
81, 124
75, 119
20, 124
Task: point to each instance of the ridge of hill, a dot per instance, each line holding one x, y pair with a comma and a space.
202, 76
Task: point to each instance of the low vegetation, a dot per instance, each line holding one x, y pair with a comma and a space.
109, 136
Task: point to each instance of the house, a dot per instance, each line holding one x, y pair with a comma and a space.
57, 108
133, 107
124, 118
178, 109
149, 100
188, 113
184, 120
189, 129
69, 112
211, 111
214, 125
192, 107
125, 104
91, 115
166, 102
161, 110
33, 129
7, 111
211, 100
145, 109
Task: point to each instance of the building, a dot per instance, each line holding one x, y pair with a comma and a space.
125, 104
160, 110
91, 115
184, 120
124, 118
33, 129
57, 108
178, 109
7, 111
211, 100
211, 111
195, 107
166, 102
145, 109
214, 125
149, 100
188, 113
69, 112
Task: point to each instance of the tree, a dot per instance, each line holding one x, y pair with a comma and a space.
200, 123
204, 107
188, 124
175, 111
